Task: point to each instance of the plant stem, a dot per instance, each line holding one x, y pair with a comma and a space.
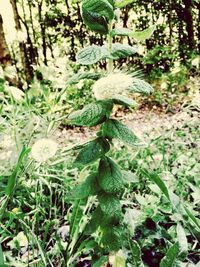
110, 38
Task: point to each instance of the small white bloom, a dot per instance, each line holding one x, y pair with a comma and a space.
21, 239
164, 85
112, 84
196, 62
44, 149
16, 93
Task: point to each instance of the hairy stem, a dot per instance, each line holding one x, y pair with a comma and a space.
110, 38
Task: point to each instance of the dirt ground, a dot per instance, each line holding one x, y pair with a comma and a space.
146, 124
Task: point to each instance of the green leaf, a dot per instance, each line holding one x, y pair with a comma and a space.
112, 2
98, 218
101, 7
95, 22
77, 213
121, 32
129, 177
101, 262
123, 100
109, 204
87, 188
182, 240
170, 257
110, 176
86, 75
138, 36
112, 238
115, 129
97, 14
12, 180
119, 261
123, 3
89, 55
143, 35
92, 151
92, 114
140, 86
122, 51
2, 264
193, 218
136, 254
157, 180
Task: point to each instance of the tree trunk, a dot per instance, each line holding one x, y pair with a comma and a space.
189, 23
43, 32
5, 57
198, 6
170, 23
32, 51
28, 69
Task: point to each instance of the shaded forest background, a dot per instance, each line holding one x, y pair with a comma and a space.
51, 29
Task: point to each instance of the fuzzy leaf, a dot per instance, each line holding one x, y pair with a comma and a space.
101, 261
143, 35
95, 22
86, 75
123, 3
138, 36
170, 257
115, 129
92, 151
112, 238
122, 51
92, 114
96, 14
85, 189
110, 176
99, 218
121, 32
109, 204
140, 86
123, 100
89, 55
136, 254
101, 7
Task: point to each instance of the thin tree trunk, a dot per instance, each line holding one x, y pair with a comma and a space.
28, 70
181, 35
31, 50
170, 23
43, 32
198, 6
5, 57
189, 23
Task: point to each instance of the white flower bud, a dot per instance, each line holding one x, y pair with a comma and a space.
107, 87
44, 149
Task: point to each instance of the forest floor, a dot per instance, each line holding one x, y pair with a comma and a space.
146, 124
146, 121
